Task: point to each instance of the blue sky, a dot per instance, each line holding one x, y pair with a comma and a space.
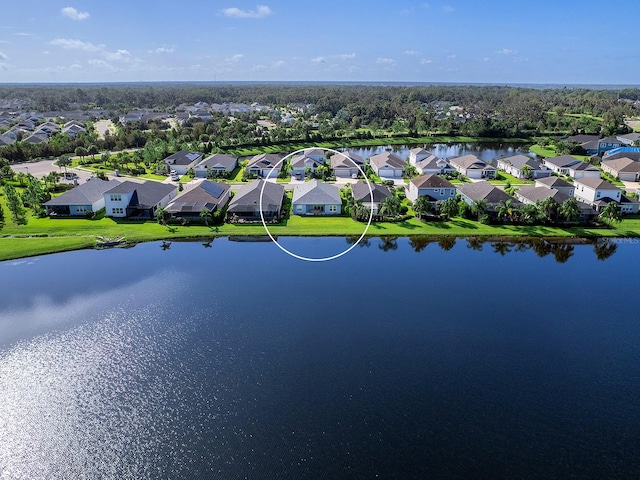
495, 41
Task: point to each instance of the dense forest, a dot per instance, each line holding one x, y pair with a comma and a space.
335, 112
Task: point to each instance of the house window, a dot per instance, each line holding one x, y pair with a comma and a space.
333, 208
299, 208
117, 211
116, 198
598, 194
442, 192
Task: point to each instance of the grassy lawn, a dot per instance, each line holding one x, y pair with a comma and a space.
550, 151
503, 177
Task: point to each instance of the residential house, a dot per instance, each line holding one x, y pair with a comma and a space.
245, 204
84, 198
387, 165
471, 192
214, 165
523, 166
630, 139
265, 165
556, 183
531, 195
583, 170
630, 152
316, 198
360, 192
594, 145
433, 164
73, 128
37, 138
301, 163
183, 161
316, 153
345, 164
209, 196
472, 167
138, 200
561, 164
594, 191
417, 154
432, 186
623, 168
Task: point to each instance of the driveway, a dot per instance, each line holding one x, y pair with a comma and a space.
44, 167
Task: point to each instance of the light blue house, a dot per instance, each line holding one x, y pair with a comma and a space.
80, 200
316, 198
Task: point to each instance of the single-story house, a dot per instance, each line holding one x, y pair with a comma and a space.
432, 186
214, 165
87, 197
630, 139
472, 167
623, 168
316, 198
387, 165
301, 162
209, 196
593, 190
530, 194
583, 170
245, 204
183, 161
37, 138
138, 200
557, 183
561, 164
360, 192
470, 192
630, 152
433, 164
523, 166
264, 165
345, 164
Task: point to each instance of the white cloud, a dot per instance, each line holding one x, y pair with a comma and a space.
347, 56
161, 50
426, 61
71, 44
235, 58
279, 63
385, 61
118, 55
411, 52
318, 60
75, 66
452, 56
261, 11
259, 68
3, 56
74, 14
507, 51
485, 59
24, 34
447, 9
46, 52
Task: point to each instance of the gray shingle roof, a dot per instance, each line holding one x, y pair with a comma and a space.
360, 191
469, 162
205, 195
264, 160
316, 193
432, 181
562, 161
519, 161
483, 191
183, 157
247, 198
219, 159
553, 182
623, 164
534, 194
387, 158
148, 193
346, 160
84, 194
596, 183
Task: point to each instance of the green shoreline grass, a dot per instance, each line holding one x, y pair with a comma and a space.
42, 236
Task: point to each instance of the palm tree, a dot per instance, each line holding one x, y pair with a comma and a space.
611, 213
549, 207
421, 206
506, 208
570, 210
479, 207
527, 171
205, 214
529, 213
390, 206
448, 208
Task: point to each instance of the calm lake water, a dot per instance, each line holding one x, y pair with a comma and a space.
402, 359
486, 151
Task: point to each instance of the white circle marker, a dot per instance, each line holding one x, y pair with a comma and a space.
313, 259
